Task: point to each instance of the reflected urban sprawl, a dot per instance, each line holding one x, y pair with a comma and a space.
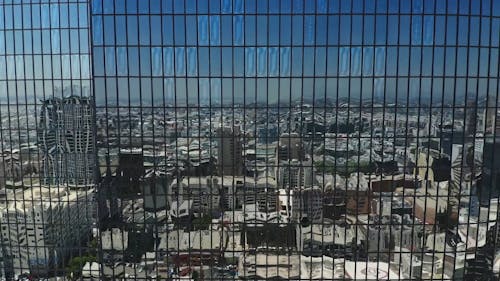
249, 140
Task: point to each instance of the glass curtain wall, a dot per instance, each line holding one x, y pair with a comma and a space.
48, 152
250, 139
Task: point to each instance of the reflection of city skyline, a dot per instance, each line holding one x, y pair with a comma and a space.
162, 146
249, 139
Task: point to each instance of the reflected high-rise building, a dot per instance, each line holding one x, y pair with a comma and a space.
66, 140
290, 147
230, 148
470, 125
491, 163
492, 126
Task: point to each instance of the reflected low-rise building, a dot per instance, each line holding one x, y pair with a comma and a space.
42, 226
268, 266
238, 191
384, 233
200, 190
326, 239
202, 247
307, 204
368, 271
321, 268
294, 173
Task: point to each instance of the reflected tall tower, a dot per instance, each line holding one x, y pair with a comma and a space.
470, 119
66, 139
230, 148
491, 163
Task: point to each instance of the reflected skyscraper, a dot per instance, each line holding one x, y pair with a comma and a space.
230, 158
66, 139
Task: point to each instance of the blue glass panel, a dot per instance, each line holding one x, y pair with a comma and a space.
156, 61
192, 61
355, 61
238, 30
368, 59
214, 30
121, 61
109, 57
250, 61
274, 61
285, 59
203, 30
262, 61
344, 63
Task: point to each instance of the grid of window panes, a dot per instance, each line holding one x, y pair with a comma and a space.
46, 138
250, 139
334, 139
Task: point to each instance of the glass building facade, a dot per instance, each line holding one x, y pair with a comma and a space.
47, 142
249, 139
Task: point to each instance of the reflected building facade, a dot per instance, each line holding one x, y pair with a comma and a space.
67, 142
